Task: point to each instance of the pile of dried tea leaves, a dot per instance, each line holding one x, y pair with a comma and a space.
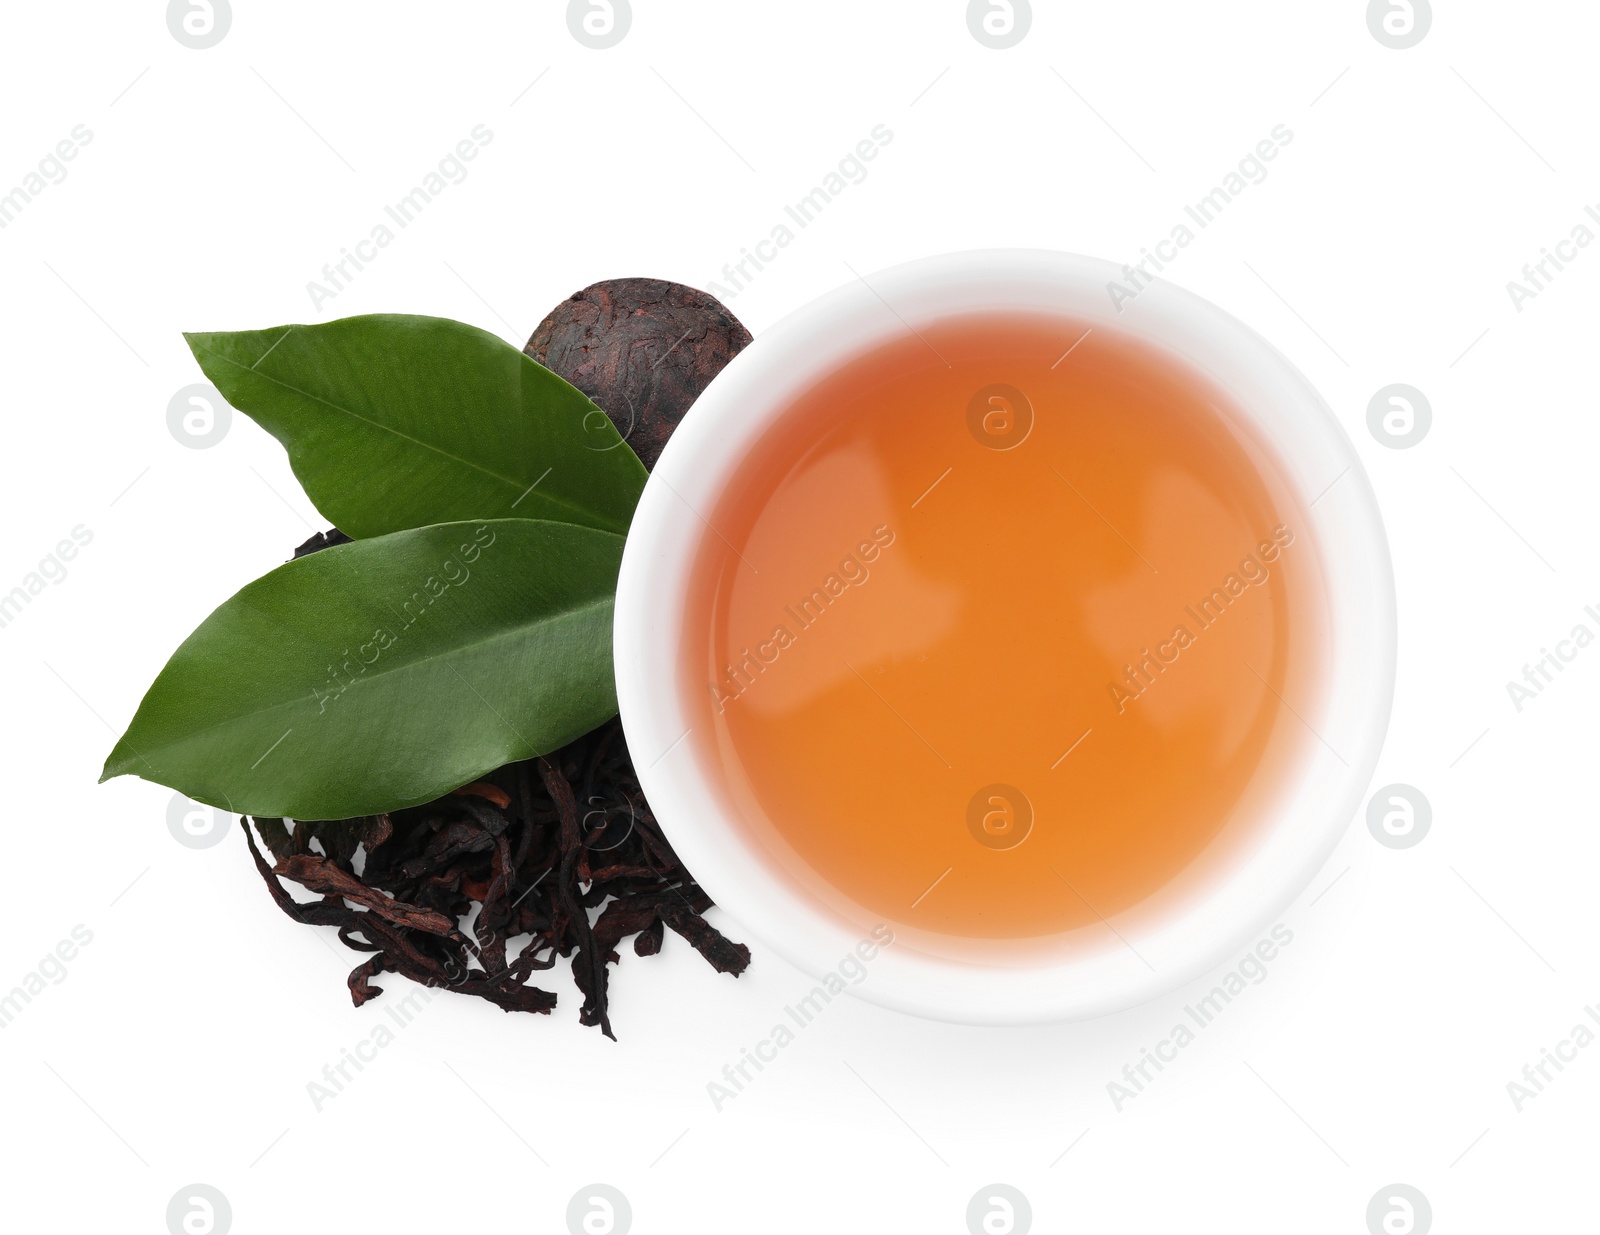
524, 855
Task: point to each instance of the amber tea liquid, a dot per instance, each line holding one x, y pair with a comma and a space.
1004, 630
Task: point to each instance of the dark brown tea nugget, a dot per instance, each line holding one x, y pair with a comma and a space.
642, 349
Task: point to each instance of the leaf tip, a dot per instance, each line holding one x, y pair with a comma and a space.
123, 761
116, 765
199, 343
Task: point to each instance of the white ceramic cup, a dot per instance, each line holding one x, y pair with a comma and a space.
1307, 817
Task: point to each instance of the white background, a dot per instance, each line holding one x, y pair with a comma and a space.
179, 1046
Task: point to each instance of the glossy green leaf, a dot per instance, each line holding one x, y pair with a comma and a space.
386, 672
394, 422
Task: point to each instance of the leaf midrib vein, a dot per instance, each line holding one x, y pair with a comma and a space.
557, 616
522, 491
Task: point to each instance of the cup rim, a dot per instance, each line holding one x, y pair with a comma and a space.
1316, 456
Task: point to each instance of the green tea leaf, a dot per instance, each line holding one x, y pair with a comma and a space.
386, 672
394, 422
